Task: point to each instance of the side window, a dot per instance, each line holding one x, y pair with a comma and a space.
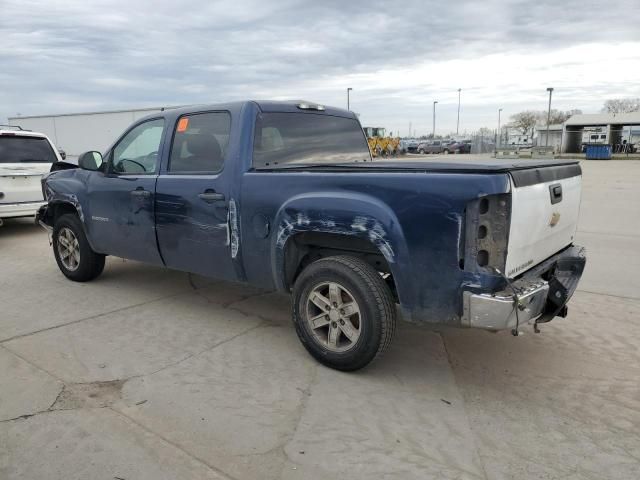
200, 143
137, 152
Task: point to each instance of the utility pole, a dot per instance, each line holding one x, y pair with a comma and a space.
458, 122
499, 142
348, 103
434, 120
409, 129
550, 90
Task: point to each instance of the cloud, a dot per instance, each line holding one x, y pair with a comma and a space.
65, 56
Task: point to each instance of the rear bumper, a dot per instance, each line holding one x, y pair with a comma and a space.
542, 293
23, 209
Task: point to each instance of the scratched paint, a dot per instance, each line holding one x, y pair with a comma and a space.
60, 197
233, 225
360, 225
375, 233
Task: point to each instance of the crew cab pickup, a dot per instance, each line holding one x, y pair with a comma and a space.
285, 196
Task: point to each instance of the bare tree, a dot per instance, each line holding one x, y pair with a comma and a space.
557, 116
485, 132
621, 105
525, 121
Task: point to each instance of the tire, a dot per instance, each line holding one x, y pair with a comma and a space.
421, 152
446, 152
83, 264
358, 337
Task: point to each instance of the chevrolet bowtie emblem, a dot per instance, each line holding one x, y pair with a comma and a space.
555, 218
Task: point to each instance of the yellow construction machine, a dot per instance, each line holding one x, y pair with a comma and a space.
381, 145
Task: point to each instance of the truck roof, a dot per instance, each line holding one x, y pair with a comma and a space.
271, 106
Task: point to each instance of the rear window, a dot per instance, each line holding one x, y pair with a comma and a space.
307, 139
22, 149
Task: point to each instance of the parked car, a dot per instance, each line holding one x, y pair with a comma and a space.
460, 147
286, 196
24, 158
410, 146
435, 146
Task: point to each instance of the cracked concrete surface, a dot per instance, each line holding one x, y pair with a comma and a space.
150, 374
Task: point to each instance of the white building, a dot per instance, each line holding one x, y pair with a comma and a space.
76, 133
555, 136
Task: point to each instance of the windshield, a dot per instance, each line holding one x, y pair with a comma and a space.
23, 149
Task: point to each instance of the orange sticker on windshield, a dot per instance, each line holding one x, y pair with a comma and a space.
183, 123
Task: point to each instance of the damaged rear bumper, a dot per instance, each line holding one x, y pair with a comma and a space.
539, 295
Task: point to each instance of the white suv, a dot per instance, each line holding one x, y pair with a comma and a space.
24, 158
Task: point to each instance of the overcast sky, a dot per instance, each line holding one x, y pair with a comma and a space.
69, 56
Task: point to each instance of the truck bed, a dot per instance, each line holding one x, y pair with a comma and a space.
459, 164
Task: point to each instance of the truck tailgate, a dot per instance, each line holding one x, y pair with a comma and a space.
544, 215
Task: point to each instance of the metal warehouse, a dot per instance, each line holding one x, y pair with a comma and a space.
79, 132
615, 129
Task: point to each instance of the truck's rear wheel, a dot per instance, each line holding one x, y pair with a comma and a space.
344, 312
74, 256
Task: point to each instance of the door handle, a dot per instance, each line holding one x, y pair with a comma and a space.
140, 192
555, 192
210, 196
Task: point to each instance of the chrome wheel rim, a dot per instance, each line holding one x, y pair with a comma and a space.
333, 316
68, 249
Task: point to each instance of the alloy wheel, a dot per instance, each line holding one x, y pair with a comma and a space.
333, 316
68, 249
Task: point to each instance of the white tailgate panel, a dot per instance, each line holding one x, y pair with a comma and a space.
21, 182
532, 239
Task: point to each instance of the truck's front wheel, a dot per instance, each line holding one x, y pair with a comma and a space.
344, 312
74, 256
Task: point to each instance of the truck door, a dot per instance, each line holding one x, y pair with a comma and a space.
192, 197
121, 206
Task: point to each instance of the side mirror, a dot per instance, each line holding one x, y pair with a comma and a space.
63, 154
90, 161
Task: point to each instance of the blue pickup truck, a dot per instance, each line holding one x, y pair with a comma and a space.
286, 196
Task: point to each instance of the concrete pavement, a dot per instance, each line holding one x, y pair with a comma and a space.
151, 374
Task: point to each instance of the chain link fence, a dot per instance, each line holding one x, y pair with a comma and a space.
483, 141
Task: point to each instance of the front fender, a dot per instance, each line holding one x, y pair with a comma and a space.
345, 213
66, 187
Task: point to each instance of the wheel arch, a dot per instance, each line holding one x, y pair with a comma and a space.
349, 224
58, 207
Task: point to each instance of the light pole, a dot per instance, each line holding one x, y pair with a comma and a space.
550, 90
433, 136
458, 122
348, 104
499, 132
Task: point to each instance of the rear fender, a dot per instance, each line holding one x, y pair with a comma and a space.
349, 214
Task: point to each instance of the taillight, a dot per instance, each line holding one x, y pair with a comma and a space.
487, 233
